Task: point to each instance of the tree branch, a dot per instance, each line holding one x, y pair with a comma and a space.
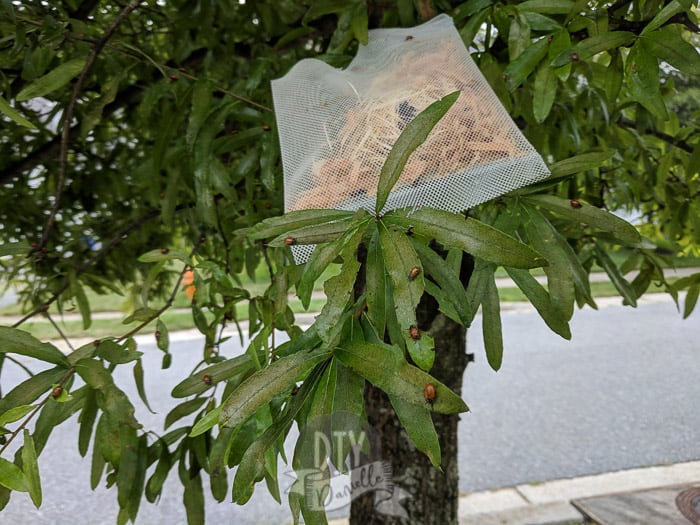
68, 117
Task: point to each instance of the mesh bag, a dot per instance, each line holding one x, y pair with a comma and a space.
336, 127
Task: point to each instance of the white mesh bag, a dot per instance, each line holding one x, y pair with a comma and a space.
336, 127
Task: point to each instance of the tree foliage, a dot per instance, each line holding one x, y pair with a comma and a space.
139, 143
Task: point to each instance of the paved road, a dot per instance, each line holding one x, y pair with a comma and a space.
624, 393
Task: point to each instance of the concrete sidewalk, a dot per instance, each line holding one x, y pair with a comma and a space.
548, 503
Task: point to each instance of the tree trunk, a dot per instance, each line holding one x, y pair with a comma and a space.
433, 495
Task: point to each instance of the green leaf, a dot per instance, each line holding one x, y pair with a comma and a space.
31, 469
182, 410
12, 477
115, 353
491, 322
418, 424
323, 256
360, 23
588, 214
547, 7
413, 135
621, 284
642, 75
87, 421
162, 335
218, 372
15, 414
669, 10
339, 292
294, 220
560, 280
385, 367
544, 92
28, 391
16, 116
691, 300
313, 234
113, 401
447, 279
14, 341
519, 69
668, 45
573, 267
592, 46
518, 36
470, 235
401, 260
580, 163
163, 254
540, 299
140, 387
613, 76
375, 278
53, 80
193, 499
264, 384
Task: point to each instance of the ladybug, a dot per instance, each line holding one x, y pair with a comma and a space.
56, 392
207, 379
164, 251
295, 390
96, 342
429, 392
409, 37
413, 273
414, 332
575, 203
158, 334
266, 127
290, 241
574, 57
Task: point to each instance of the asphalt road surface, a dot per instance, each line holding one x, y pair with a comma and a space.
625, 392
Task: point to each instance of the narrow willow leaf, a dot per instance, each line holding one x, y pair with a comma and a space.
14, 341
324, 255
418, 424
470, 235
162, 335
375, 277
519, 69
544, 92
182, 410
294, 220
12, 477
28, 391
193, 498
252, 465
31, 469
691, 300
478, 283
491, 322
53, 80
339, 292
579, 163
163, 254
218, 372
547, 7
360, 23
140, 387
592, 46
87, 422
15, 414
670, 9
589, 215
447, 279
314, 234
401, 262
560, 279
15, 115
263, 385
385, 367
413, 135
621, 284
128, 464
540, 299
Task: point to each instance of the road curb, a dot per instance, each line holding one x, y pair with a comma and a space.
548, 503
